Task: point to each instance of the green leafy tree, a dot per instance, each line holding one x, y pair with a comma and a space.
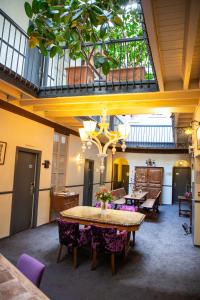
58, 24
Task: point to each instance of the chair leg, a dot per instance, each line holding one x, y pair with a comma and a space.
113, 263
94, 259
59, 253
75, 257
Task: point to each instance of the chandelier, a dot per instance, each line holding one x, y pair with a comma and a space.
89, 135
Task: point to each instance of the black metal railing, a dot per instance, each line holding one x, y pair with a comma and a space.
162, 136
16, 58
62, 75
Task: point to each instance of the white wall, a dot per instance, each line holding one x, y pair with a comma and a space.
19, 131
15, 10
75, 172
167, 161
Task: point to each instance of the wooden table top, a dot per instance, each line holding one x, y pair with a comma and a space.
88, 215
119, 201
136, 196
15, 286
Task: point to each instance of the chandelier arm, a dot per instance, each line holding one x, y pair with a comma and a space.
105, 148
96, 142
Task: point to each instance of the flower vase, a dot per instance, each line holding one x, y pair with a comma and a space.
103, 207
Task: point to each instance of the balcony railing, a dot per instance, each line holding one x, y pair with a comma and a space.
63, 76
152, 136
17, 60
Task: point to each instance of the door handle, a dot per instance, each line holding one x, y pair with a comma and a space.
32, 188
174, 184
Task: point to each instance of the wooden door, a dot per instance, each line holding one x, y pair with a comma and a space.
155, 177
125, 177
88, 182
141, 177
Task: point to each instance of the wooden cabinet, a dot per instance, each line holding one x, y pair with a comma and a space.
149, 179
62, 202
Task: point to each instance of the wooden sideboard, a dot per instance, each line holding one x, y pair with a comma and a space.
60, 202
149, 179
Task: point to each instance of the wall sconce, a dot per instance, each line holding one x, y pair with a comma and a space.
46, 164
79, 159
188, 131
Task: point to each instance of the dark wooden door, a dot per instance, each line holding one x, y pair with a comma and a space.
88, 182
115, 176
125, 177
25, 180
181, 182
141, 177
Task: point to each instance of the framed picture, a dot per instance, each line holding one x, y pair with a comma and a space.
3, 146
198, 138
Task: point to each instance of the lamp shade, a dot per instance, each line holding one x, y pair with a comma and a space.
83, 134
89, 126
124, 130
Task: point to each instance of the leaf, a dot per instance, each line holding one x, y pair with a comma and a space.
106, 67
43, 49
103, 30
35, 6
53, 51
28, 10
64, 14
30, 29
117, 21
33, 42
77, 15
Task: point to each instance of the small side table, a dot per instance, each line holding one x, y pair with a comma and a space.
184, 212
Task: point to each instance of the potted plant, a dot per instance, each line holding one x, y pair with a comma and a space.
132, 56
74, 23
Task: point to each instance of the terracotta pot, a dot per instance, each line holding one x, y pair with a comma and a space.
79, 74
126, 74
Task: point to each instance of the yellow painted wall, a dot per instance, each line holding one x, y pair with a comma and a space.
120, 161
19, 131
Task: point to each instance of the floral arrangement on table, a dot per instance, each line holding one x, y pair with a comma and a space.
104, 195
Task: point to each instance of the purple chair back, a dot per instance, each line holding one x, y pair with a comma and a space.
68, 233
115, 242
31, 268
128, 208
109, 205
97, 235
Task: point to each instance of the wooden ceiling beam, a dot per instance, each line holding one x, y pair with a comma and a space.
168, 95
153, 40
120, 111
191, 28
110, 105
3, 96
10, 90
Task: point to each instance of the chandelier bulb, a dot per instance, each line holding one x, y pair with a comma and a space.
83, 147
89, 144
123, 146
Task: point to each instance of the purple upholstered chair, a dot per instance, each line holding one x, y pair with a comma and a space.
72, 237
128, 208
115, 243
31, 268
98, 242
109, 205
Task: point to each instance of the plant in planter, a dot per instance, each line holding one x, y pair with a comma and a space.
104, 196
132, 56
58, 24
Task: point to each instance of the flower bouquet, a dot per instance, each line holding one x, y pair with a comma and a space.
104, 196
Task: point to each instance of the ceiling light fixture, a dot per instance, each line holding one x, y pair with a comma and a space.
89, 135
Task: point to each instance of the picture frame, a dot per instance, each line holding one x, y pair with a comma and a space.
198, 138
3, 146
